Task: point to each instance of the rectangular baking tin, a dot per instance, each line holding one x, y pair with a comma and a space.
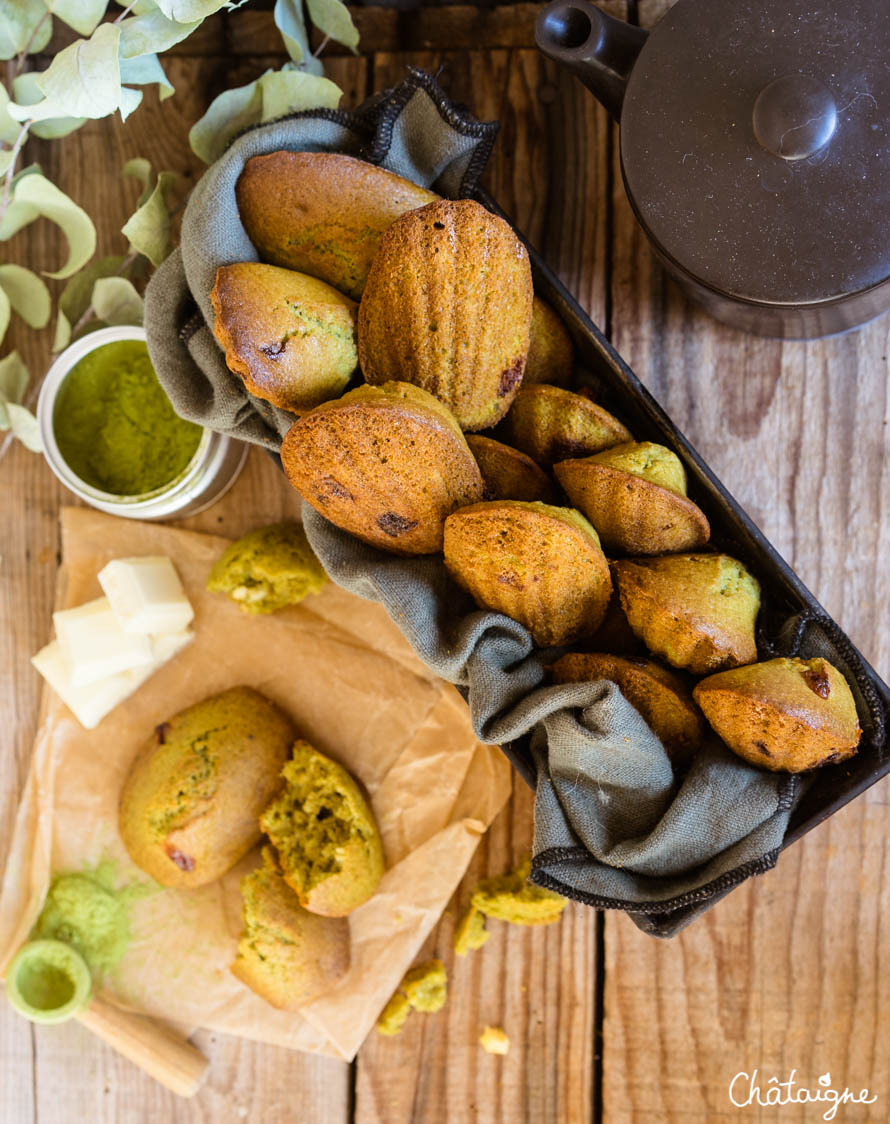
833, 786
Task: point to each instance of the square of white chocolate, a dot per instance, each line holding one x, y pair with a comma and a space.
146, 594
95, 646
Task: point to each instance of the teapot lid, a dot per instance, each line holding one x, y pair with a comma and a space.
755, 145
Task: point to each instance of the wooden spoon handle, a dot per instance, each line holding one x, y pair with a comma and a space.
162, 1053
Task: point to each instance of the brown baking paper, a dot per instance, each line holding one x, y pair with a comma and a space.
356, 691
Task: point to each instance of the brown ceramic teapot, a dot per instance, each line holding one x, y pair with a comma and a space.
755, 149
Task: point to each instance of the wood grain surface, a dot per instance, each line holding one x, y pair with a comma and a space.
790, 971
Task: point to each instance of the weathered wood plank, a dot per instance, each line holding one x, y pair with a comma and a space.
788, 972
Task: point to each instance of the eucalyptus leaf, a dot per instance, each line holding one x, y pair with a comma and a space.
34, 196
24, 426
144, 71
5, 311
27, 294
130, 100
140, 169
83, 80
116, 301
289, 91
27, 92
78, 293
226, 116
288, 16
149, 228
23, 23
14, 378
152, 33
62, 335
274, 94
9, 129
82, 15
333, 18
183, 11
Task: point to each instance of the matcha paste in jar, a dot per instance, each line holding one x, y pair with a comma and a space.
115, 426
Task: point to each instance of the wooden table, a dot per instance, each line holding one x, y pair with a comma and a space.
791, 970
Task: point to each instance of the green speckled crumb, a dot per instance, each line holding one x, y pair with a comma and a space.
470, 933
426, 986
392, 1017
268, 569
511, 897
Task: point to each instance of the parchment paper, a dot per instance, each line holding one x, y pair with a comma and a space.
356, 691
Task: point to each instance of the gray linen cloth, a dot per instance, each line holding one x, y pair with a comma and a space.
614, 826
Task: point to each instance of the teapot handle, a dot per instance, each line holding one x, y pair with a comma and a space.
599, 49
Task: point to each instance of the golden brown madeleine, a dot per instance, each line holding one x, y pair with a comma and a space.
507, 473
660, 696
551, 357
540, 565
190, 804
786, 715
621, 493
324, 834
286, 954
290, 337
448, 306
697, 611
551, 424
322, 213
386, 463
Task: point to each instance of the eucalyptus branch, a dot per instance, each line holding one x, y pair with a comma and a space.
129, 8
23, 53
10, 171
321, 46
89, 313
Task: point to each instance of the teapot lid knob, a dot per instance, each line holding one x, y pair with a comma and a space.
794, 116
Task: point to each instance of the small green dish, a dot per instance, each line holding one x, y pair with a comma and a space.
48, 981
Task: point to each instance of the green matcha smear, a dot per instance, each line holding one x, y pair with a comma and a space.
115, 426
85, 912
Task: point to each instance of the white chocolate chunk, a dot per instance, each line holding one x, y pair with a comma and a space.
146, 594
95, 646
92, 702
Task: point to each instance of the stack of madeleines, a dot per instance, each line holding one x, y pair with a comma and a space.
202, 793
561, 520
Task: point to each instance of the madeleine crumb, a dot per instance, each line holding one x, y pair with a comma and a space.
494, 1040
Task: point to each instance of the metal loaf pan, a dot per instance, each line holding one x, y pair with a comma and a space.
784, 595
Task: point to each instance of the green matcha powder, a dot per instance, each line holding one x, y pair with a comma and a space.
115, 426
89, 914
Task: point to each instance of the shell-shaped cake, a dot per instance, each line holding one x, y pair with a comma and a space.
190, 806
386, 463
697, 611
322, 213
509, 474
290, 337
538, 564
786, 715
286, 954
324, 833
552, 424
635, 496
447, 306
551, 357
